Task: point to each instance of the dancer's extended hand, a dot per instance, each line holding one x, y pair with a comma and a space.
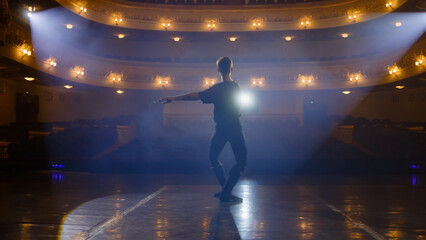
166, 100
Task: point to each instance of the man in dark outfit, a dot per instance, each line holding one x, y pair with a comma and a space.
228, 127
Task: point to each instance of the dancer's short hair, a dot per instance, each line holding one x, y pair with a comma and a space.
224, 64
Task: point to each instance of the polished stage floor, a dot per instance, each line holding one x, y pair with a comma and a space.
69, 205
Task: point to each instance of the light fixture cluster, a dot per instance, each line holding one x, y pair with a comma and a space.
114, 77
355, 77
52, 62
25, 49
78, 71
257, 81
420, 59
389, 5
304, 23
166, 25
118, 20
209, 81
306, 80
393, 69
31, 9
257, 24
82, 9
163, 80
211, 26
352, 17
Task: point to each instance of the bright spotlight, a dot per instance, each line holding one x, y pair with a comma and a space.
245, 100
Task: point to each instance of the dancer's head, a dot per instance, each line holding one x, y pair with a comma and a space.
224, 65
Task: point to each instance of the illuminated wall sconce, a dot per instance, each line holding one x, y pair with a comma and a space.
82, 9
163, 80
211, 26
121, 35
208, 82
115, 78
29, 79
257, 81
78, 71
305, 80
257, 24
389, 5
233, 39
176, 39
398, 24
399, 87
352, 17
52, 62
305, 22
346, 92
25, 49
68, 86
420, 60
166, 26
344, 35
30, 11
355, 77
289, 38
393, 69
118, 20
119, 91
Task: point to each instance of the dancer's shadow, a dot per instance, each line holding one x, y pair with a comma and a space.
222, 225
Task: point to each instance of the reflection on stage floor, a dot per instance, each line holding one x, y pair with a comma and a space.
68, 205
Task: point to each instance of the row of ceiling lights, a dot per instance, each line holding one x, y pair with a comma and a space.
305, 22
231, 38
258, 82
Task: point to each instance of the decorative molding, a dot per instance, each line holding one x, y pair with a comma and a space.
238, 18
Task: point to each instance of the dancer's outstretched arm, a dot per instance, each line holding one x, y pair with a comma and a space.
186, 97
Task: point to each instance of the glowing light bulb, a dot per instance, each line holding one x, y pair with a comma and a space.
346, 92
29, 79
232, 39
70, 26
345, 35
245, 99
67, 86
160, 82
288, 38
120, 91
121, 36
390, 72
176, 39
398, 24
399, 87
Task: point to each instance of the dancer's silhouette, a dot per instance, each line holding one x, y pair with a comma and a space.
228, 127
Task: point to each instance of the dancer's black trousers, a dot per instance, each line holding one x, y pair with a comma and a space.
236, 138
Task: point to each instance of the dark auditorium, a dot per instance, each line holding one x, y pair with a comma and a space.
212, 119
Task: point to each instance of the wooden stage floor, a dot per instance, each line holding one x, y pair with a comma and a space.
70, 205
